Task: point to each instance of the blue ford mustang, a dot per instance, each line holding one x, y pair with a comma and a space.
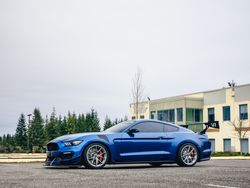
138, 141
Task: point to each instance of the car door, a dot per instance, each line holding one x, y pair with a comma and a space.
148, 144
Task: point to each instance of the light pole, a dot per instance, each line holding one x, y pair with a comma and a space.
28, 135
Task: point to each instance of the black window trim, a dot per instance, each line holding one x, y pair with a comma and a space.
163, 123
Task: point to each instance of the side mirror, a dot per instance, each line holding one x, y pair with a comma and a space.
132, 131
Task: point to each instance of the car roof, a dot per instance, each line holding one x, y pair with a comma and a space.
153, 120
164, 122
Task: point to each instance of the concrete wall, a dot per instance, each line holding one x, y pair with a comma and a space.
227, 130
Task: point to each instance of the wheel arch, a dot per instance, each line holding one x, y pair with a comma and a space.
99, 142
188, 142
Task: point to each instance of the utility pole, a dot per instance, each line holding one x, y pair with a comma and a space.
28, 135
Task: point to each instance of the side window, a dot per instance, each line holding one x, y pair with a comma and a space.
147, 127
170, 128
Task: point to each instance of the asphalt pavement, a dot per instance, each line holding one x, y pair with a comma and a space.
214, 173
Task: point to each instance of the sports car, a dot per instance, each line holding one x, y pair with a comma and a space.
135, 141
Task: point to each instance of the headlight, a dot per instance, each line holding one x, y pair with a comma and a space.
74, 143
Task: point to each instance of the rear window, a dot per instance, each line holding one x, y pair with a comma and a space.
170, 128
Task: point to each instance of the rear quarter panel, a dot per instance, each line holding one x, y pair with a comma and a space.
177, 139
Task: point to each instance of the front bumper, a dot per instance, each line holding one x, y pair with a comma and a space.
64, 156
58, 161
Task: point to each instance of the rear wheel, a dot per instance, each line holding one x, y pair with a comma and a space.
155, 164
187, 155
95, 156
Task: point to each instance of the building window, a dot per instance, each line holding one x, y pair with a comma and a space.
160, 115
243, 112
212, 144
152, 115
211, 116
226, 113
166, 115
133, 117
179, 114
227, 145
244, 145
194, 115
142, 117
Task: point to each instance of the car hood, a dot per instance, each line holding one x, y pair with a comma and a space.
70, 137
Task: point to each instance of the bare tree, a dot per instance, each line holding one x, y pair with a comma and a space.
137, 92
241, 131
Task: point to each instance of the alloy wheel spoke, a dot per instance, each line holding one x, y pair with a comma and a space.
96, 155
189, 155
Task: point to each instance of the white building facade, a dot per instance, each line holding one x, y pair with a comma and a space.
227, 105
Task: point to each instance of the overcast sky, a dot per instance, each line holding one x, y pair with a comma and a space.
74, 55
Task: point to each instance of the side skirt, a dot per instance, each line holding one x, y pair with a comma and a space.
140, 162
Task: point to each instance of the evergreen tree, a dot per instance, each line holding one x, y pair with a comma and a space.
80, 124
9, 140
46, 124
126, 118
12, 141
4, 140
21, 133
51, 127
95, 127
36, 133
107, 123
88, 123
115, 122
9, 143
71, 123
83, 123
62, 126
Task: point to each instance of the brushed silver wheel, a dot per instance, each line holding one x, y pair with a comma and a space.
96, 156
187, 155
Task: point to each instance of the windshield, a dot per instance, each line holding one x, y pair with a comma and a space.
119, 127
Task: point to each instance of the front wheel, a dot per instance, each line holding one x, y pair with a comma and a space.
95, 156
187, 155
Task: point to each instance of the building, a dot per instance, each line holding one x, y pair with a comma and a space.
227, 105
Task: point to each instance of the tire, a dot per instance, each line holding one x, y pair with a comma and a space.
155, 164
187, 155
95, 156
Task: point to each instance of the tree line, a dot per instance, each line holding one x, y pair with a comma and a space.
33, 135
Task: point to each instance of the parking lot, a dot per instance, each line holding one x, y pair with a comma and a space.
214, 173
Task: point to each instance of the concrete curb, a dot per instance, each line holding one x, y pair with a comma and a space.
231, 158
22, 157
22, 160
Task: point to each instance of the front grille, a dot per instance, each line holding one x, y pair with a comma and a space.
52, 147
